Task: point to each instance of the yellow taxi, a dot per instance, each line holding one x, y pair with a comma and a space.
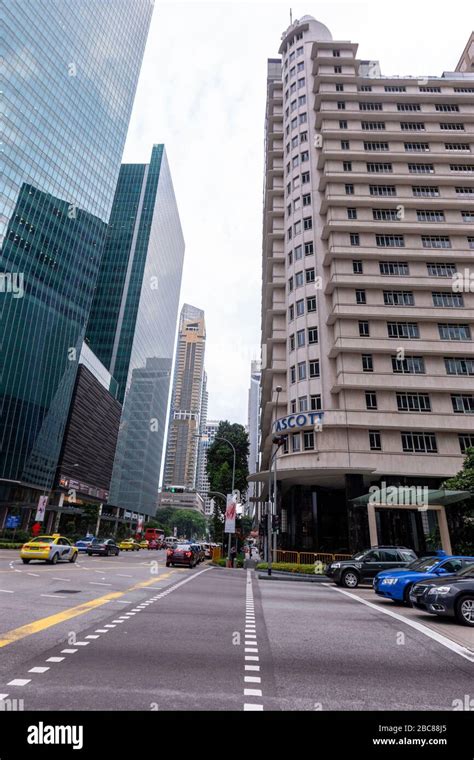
49, 549
129, 544
143, 543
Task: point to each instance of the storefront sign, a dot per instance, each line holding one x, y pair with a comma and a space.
297, 421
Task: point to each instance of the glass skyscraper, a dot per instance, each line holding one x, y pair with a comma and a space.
71, 74
132, 326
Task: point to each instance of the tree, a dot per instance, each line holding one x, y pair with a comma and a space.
461, 516
188, 522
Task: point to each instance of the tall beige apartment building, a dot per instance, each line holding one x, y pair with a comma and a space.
187, 398
367, 299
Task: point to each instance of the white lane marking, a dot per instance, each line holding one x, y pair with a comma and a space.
68, 651
55, 659
251, 649
5, 591
117, 621
252, 679
252, 667
98, 583
81, 643
19, 682
251, 646
252, 657
35, 575
249, 707
93, 636
55, 596
122, 601
250, 635
38, 670
443, 640
101, 630
252, 693
110, 625
122, 575
57, 578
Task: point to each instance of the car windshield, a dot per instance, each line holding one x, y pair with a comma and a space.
359, 555
42, 540
182, 547
423, 565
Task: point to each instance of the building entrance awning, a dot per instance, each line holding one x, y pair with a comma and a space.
400, 497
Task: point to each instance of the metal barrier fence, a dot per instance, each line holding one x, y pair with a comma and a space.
306, 558
216, 553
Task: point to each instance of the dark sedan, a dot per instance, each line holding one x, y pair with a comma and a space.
182, 554
103, 546
448, 597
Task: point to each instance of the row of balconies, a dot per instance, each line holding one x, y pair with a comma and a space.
373, 280
428, 313
447, 199
458, 253
376, 344
434, 383
409, 227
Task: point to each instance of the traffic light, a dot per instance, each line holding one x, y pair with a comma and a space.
275, 522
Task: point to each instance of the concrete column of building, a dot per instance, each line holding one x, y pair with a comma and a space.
444, 530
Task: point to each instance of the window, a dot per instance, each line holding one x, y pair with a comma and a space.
291, 313
375, 145
294, 123
398, 298
312, 335
463, 403
390, 241
377, 168
308, 248
300, 308
421, 168
308, 440
435, 241
430, 216
453, 127
470, 242
412, 126
413, 402
410, 365
463, 89
345, 145
310, 275
458, 146
425, 191
372, 125
354, 238
293, 374
375, 440
303, 118
429, 89
301, 100
466, 441
446, 299
352, 213
394, 268
338, 69
315, 402
305, 178
343, 124
304, 156
311, 304
293, 405
301, 83
367, 363
364, 329
293, 88
464, 190
408, 107
307, 199
299, 51
290, 284
385, 214
290, 258
370, 400
303, 404
298, 279
419, 443
357, 267
300, 338
418, 147
300, 66
295, 161
403, 330
446, 107
360, 297
298, 252
347, 166
467, 216
383, 190
349, 189
308, 223
291, 342
294, 141
453, 331
302, 371
469, 168
314, 368
296, 442
395, 88
336, 53
441, 270
365, 88
459, 365
370, 107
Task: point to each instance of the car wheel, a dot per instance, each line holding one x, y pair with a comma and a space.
350, 579
167, 564
464, 610
106, 553
406, 595
25, 561
54, 559
73, 558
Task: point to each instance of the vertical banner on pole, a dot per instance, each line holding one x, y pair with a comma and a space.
41, 509
230, 513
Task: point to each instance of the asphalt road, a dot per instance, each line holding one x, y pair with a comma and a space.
127, 633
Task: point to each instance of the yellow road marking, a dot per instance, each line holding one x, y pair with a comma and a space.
60, 617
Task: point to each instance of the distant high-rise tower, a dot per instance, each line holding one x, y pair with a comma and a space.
71, 70
133, 321
253, 422
184, 426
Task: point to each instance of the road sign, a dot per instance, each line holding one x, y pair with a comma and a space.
12, 522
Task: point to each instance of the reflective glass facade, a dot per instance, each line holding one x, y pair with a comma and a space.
71, 73
133, 320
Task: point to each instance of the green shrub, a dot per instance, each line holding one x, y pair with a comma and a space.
292, 567
9, 545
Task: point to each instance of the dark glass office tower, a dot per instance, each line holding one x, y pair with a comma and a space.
71, 73
133, 319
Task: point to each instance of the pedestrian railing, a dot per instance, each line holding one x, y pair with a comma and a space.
306, 558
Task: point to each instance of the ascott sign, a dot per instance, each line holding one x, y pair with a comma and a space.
296, 421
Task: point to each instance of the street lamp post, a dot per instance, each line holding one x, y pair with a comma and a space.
271, 501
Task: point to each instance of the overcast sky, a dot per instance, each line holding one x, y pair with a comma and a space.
202, 93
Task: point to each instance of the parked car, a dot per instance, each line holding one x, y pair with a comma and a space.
83, 543
208, 551
447, 597
199, 548
143, 543
397, 584
182, 554
154, 544
170, 541
104, 547
364, 566
50, 549
129, 544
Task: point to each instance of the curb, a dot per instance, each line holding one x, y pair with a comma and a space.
275, 576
